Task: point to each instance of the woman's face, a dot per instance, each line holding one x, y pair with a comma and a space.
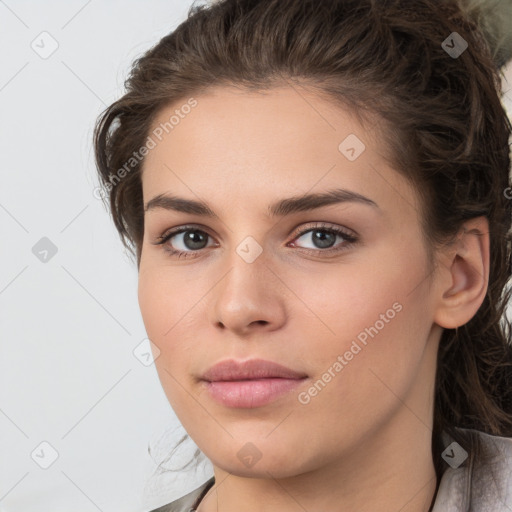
266, 277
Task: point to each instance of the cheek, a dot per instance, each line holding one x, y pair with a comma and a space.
170, 307
372, 360
152, 303
347, 299
161, 310
375, 314
165, 302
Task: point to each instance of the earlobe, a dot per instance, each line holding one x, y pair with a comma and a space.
465, 276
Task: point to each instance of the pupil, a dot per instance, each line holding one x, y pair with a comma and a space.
320, 237
192, 238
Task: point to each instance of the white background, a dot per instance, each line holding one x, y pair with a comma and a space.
69, 327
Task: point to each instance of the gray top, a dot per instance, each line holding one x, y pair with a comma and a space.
489, 488
189, 502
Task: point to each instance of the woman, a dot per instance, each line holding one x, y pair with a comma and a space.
316, 195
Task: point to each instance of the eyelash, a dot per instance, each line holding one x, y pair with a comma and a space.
350, 240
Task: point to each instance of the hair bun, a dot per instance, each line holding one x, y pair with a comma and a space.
494, 18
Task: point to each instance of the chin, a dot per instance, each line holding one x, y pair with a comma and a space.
259, 459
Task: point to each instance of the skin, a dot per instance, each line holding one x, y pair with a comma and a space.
363, 443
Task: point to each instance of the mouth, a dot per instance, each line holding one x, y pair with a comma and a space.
251, 383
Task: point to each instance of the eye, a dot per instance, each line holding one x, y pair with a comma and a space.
185, 241
323, 238
189, 239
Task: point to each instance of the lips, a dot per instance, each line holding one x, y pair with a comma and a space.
250, 384
230, 370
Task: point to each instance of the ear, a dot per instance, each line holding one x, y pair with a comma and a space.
464, 275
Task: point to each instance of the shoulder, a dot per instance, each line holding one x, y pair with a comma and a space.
188, 502
488, 486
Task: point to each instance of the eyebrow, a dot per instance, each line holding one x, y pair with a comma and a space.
279, 208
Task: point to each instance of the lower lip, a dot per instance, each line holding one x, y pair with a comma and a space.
249, 394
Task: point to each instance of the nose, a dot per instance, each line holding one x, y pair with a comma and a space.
249, 298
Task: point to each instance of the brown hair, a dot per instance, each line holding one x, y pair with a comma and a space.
441, 121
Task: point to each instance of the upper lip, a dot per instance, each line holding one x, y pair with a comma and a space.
230, 369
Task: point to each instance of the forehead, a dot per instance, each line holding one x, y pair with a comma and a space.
257, 119
281, 141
